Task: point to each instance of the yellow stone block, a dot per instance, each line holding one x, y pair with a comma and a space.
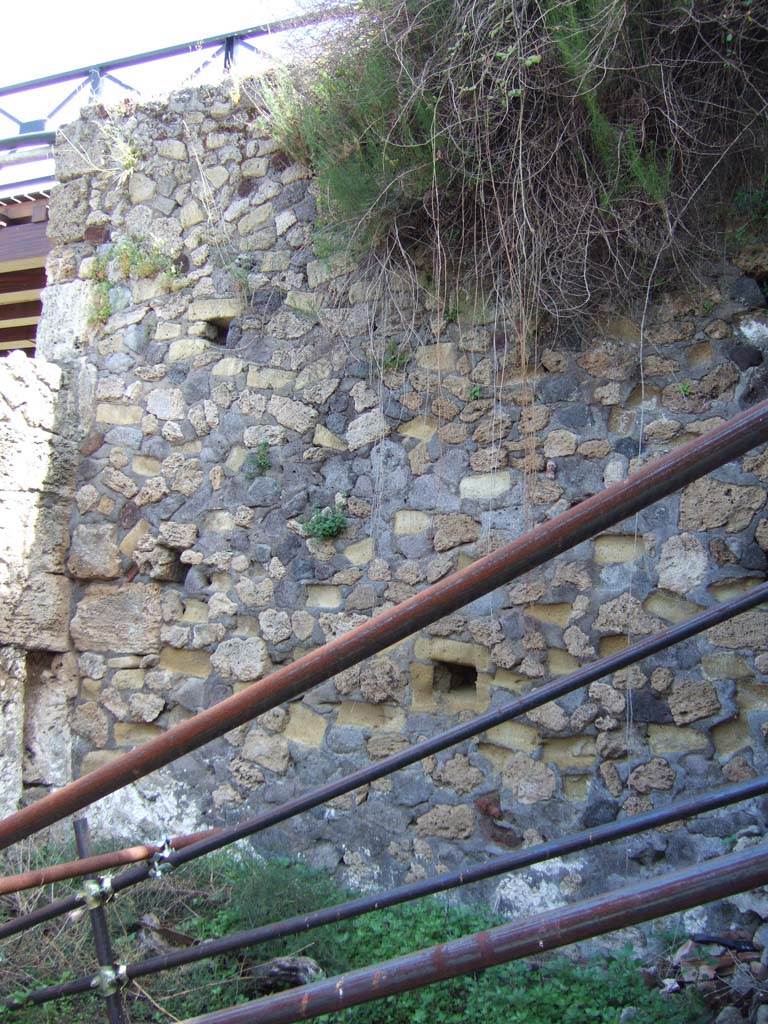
90, 688
560, 662
407, 522
195, 611
324, 596
465, 559
452, 651
732, 736
215, 309
440, 357
674, 739
423, 427
725, 666
97, 759
186, 663
699, 354
248, 625
128, 679
361, 552
507, 680
185, 348
556, 614
305, 726
498, 756
575, 788
219, 521
132, 539
307, 303
751, 696
144, 465
325, 438
571, 752
119, 415
620, 328
613, 548
612, 645
422, 692
468, 699
485, 485
670, 607
370, 716
514, 736
269, 378
131, 734
236, 459
729, 589
230, 366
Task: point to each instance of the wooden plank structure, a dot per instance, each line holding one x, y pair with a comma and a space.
24, 247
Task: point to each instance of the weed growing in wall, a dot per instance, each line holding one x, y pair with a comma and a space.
127, 259
257, 463
141, 257
100, 308
325, 523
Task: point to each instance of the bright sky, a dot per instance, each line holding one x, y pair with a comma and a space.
78, 32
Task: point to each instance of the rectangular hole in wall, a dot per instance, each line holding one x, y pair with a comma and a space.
458, 680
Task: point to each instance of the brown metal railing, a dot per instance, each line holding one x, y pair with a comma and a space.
696, 885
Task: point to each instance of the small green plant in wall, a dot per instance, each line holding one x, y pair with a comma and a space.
475, 392
395, 357
100, 308
142, 257
258, 462
685, 388
325, 523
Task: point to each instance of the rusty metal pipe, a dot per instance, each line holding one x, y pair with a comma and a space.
658, 479
338, 787
300, 923
703, 883
94, 865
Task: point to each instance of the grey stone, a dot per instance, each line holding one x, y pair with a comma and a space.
747, 291
243, 659
94, 553
263, 492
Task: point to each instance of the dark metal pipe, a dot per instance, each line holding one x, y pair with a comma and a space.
92, 865
591, 516
713, 880
541, 695
101, 941
430, 886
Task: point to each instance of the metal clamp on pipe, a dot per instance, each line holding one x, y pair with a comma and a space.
110, 979
96, 891
160, 863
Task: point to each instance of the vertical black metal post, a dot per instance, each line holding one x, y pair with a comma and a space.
115, 1011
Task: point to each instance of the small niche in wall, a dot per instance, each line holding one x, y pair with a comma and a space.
217, 329
456, 680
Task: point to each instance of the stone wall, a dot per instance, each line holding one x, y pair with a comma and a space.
240, 383
38, 461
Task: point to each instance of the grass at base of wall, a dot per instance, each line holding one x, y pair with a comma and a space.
225, 893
